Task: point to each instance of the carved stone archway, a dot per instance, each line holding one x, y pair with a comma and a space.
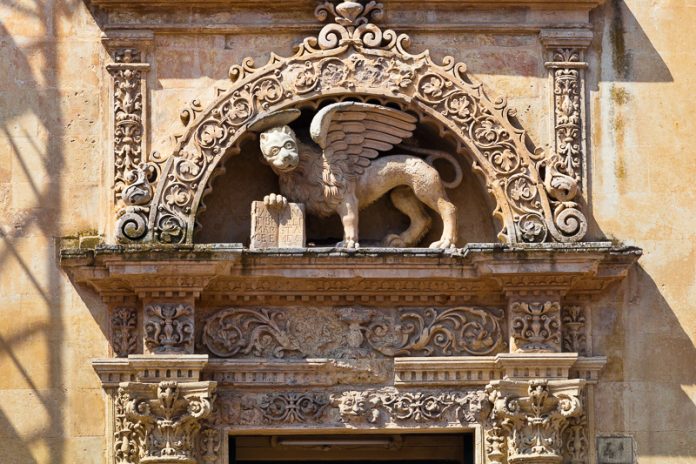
534, 192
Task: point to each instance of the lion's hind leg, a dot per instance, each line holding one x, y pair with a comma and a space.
405, 201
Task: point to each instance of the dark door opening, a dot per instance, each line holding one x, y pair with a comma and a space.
353, 449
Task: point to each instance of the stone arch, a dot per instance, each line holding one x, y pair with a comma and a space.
353, 57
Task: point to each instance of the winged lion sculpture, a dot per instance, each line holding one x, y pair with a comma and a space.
344, 173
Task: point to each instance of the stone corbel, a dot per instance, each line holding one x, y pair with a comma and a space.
565, 61
132, 174
161, 422
528, 419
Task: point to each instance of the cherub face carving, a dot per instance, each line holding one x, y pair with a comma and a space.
279, 148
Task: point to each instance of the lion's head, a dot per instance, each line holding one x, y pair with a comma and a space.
279, 149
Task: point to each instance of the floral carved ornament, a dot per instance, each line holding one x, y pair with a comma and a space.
352, 57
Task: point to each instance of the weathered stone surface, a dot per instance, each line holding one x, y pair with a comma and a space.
56, 178
277, 226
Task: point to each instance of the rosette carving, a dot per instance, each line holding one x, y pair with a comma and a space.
293, 407
353, 57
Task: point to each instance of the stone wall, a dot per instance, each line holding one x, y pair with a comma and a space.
55, 181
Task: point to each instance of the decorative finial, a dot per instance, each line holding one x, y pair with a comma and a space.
350, 13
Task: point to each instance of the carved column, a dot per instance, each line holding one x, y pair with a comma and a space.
565, 61
132, 175
160, 423
528, 420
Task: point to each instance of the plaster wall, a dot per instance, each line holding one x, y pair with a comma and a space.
54, 182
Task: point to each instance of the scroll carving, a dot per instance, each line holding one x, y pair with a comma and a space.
133, 176
169, 328
391, 406
574, 330
528, 428
536, 326
160, 422
123, 331
432, 332
353, 57
293, 407
232, 332
351, 332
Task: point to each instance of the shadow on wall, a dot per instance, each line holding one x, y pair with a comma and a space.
624, 42
31, 137
643, 388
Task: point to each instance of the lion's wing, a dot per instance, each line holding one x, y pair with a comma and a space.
352, 133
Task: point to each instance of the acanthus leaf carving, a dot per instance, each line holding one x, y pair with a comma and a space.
528, 428
165, 419
169, 328
432, 332
232, 332
350, 332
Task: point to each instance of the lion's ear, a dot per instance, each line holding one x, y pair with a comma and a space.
263, 137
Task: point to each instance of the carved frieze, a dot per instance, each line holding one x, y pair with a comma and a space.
360, 408
169, 328
124, 322
160, 422
351, 332
293, 407
536, 326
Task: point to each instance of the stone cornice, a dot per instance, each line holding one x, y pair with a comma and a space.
270, 6
223, 272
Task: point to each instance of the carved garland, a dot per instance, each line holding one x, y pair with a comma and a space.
353, 57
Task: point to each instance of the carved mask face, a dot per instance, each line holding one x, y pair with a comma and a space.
279, 148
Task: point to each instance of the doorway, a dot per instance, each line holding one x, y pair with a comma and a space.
353, 449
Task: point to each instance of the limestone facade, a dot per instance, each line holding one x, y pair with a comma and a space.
144, 323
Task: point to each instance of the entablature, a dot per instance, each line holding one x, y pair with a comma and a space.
376, 275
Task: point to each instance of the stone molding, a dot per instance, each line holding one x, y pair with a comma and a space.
430, 372
388, 278
159, 423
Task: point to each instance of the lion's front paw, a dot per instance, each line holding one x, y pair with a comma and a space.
394, 241
443, 244
275, 201
350, 244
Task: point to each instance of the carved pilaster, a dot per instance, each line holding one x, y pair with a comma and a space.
527, 420
160, 422
168, 328
124, 330
132, 175
565, 61
574, 320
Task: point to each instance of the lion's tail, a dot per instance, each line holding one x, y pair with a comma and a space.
434, 155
